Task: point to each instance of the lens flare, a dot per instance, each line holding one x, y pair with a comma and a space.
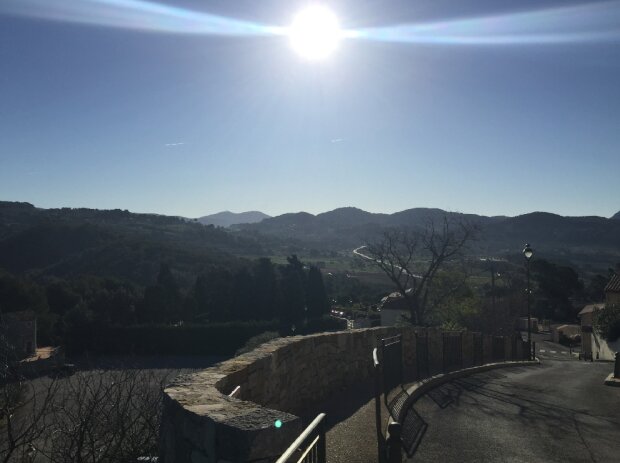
140, 15
315, 33
594, 22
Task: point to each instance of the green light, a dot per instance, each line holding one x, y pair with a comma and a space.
278, 423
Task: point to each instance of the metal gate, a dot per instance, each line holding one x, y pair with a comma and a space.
477, 349
498, 348
452, 351
422, 364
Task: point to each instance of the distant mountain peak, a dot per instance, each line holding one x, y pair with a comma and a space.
227, 218
616, 216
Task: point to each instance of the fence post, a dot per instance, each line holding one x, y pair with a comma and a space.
617, 366
394, 444
380, 441
533, 353
322, 447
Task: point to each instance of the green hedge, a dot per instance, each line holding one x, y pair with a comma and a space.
208, 339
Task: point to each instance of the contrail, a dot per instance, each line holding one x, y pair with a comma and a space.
594, 22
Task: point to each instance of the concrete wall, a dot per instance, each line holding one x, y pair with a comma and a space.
598, 348
279, 381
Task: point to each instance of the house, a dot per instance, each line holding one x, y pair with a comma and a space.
612, 290
393, 308
570, 331
20, 329
593, 346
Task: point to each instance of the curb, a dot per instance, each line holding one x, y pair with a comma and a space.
612, 381
418, 389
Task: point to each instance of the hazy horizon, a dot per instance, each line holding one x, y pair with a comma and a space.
299, 210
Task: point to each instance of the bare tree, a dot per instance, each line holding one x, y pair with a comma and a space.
105, 416
411, 258
91, 416
24, 408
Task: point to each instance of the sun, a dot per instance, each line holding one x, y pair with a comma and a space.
315, 33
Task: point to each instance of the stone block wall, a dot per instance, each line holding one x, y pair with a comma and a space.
279, 381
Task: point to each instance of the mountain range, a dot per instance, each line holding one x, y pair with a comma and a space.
227, 218
64, 242
588, 239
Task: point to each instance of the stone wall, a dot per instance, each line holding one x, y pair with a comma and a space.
279, 380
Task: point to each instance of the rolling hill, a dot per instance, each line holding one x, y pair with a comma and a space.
112, 243
585, 240
227, 218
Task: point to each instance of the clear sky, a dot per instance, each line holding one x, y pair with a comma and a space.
111, 104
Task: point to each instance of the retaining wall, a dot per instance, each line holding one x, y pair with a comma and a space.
279, 380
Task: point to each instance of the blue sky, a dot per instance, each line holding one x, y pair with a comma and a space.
144, 118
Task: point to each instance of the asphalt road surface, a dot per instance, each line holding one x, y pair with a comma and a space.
559, 411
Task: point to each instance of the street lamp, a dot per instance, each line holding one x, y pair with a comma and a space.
527, 253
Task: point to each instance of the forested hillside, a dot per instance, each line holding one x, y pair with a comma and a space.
589, 241
69, 242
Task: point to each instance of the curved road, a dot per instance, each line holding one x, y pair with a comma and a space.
559, 411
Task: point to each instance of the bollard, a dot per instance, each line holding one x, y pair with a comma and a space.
617, 366
394, 443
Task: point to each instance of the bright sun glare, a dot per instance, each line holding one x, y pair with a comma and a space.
315, 32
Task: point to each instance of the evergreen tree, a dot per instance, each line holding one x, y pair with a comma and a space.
212, 296
162, 302
265, 289
292, 309
243, 297
316, 296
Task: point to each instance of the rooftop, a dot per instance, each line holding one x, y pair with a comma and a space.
614, 284
591, 308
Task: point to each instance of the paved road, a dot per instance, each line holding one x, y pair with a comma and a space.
557, 412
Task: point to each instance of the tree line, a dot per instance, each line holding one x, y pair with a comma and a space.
290, 294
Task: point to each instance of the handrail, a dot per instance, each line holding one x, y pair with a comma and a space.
235, 392
302, 437
375, 357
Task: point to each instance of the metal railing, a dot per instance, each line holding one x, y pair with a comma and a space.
309, 447
452, 351
478, 349
392, 368
389, 377
235, 392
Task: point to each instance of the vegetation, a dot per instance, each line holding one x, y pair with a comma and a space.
412, 259
216, 315
97, 416
607, 322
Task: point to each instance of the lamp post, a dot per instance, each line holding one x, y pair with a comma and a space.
527, 253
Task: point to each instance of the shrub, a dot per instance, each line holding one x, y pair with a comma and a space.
607, 322
256, 341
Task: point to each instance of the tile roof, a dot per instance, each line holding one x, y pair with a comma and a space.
591, 308
614, 284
